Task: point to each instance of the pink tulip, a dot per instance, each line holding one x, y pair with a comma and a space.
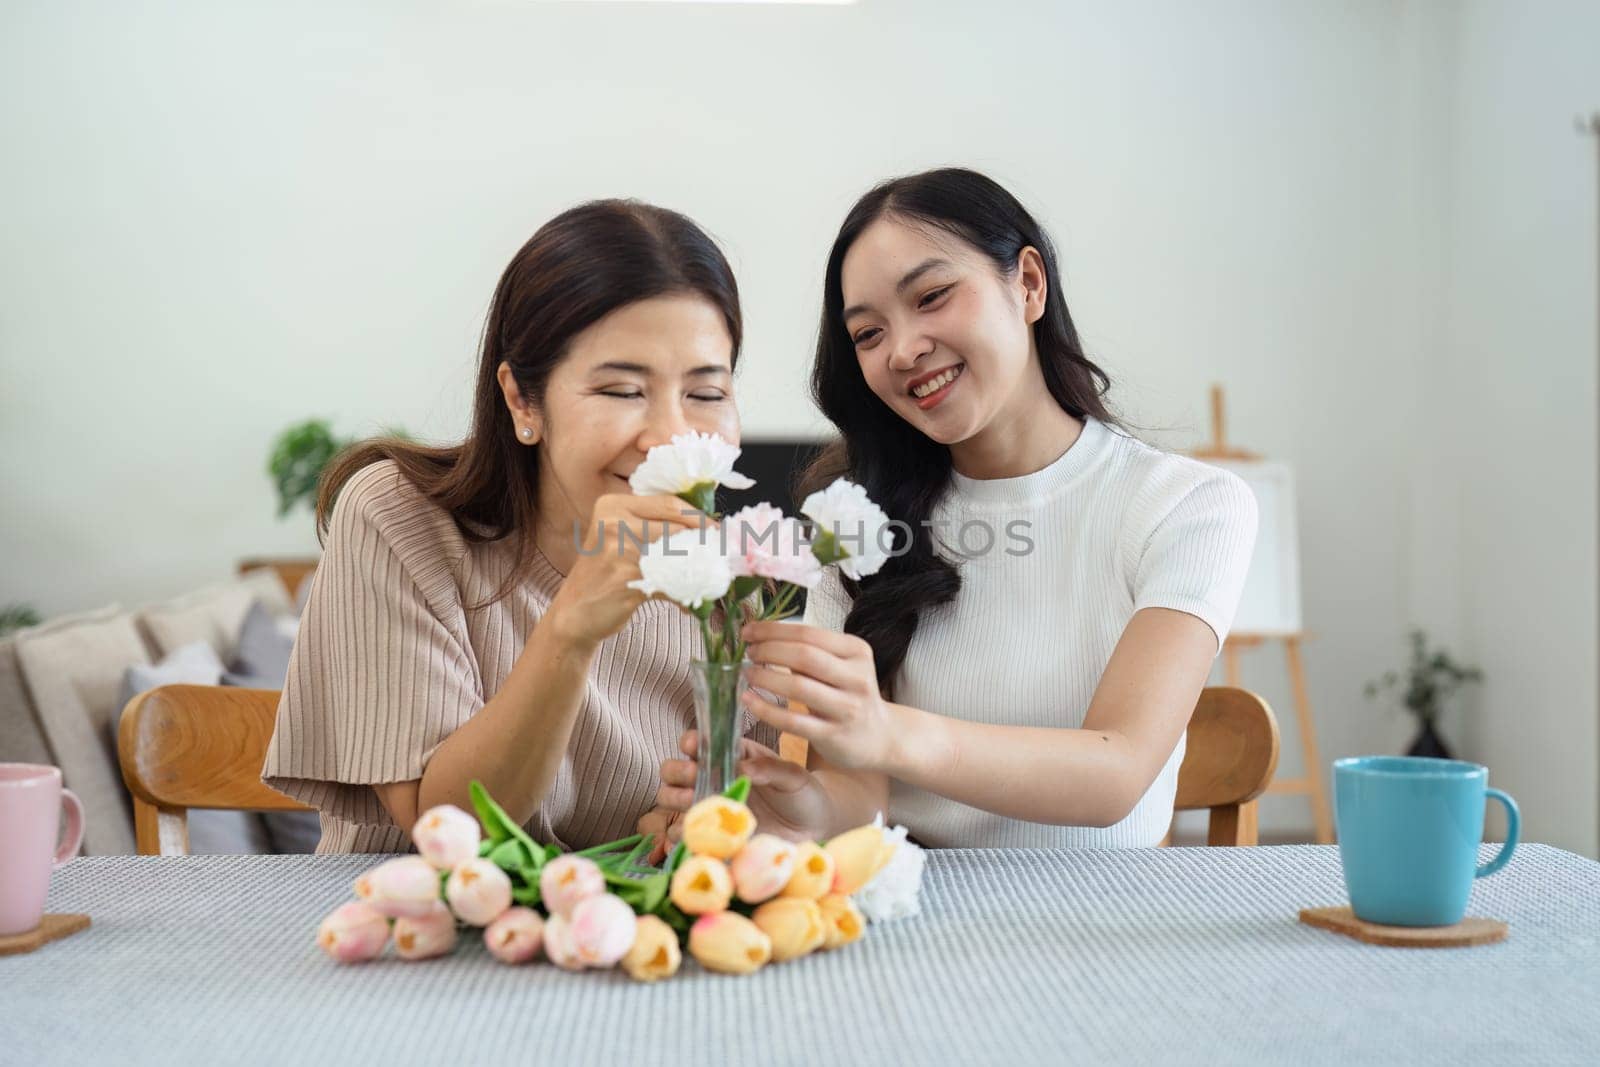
401, 888
353, 932
566, 880
558, 944
602, 930
515, 936
424, 936
762, 868
446, 836
478, 892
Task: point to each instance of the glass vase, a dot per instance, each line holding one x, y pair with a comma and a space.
717, 714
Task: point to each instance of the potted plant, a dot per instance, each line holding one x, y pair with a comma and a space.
17, 617
298, 457
1429, 681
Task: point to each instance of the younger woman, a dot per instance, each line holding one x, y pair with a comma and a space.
1021, 673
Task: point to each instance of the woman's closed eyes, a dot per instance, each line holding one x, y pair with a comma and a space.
709, 398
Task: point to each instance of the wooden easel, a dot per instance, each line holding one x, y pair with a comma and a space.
1311, 783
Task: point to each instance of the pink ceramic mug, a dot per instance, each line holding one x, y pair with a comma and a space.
31, 798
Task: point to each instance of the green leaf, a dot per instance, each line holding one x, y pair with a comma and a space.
514, 855
654, 893
825, 546
702, 496
610, 846
744, 585
499, 827
491, 816
739, 790
298, 456
676, 919
17, 617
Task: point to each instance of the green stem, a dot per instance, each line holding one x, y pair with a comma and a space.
785, 597
707, 637
731, 617
611, 846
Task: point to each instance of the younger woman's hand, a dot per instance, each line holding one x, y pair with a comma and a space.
834, 676
594, 601
786, 799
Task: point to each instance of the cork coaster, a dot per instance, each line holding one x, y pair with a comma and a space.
50, 929
1469, 931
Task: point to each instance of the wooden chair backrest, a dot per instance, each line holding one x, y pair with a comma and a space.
1231, 756
291, 572
195, 746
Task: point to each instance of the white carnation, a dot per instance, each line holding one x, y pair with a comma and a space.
691, 461
895, 891
857, 525
686, 566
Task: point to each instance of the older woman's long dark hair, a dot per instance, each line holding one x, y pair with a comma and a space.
901, 468
579, 267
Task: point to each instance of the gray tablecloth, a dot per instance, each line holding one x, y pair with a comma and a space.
1027, 957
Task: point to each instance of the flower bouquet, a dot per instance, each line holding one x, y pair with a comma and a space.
737, 899
747, 567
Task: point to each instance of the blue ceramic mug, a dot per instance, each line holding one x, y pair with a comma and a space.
1409, 829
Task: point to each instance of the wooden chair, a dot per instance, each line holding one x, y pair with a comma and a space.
1232, 752
195, 746
291, 572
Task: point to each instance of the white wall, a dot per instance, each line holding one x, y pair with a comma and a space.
1504, 532
230, 217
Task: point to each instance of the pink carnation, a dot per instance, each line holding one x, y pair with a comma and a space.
762, 542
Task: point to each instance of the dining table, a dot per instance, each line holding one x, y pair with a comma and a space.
1015, 956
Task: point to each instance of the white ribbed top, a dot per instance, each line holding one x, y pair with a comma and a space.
389, 662
1116, 526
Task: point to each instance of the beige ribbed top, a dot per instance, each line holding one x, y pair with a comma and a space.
389, 661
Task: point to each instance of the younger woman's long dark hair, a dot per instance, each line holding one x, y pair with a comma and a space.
579, 267
902, 469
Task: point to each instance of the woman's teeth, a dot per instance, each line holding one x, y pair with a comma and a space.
930, 387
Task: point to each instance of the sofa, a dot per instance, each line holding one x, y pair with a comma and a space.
63, 686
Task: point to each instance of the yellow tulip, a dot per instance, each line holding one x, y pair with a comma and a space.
842, 923
702, 886
655, 954
857, 856
730, 943
717, 827
794, 924
813, 873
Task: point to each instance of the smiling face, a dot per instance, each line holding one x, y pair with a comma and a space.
631, 381
942, 337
